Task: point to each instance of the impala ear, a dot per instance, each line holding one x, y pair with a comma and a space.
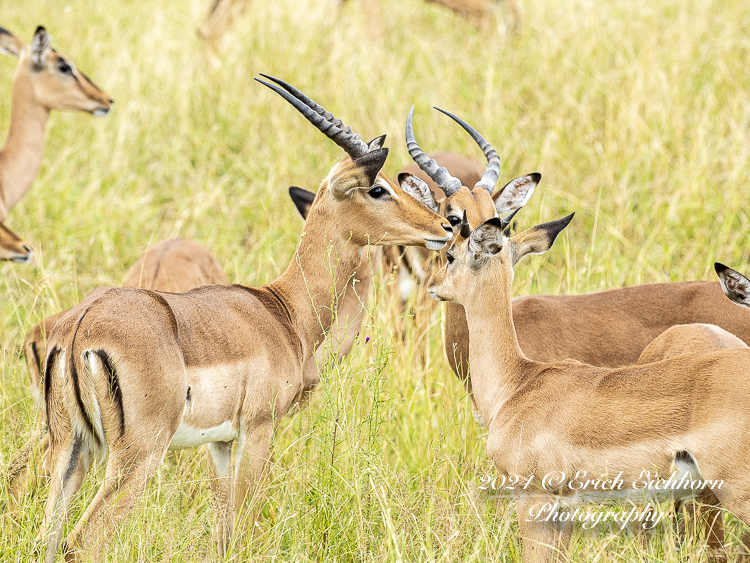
302, 200
486, 239
539, 239
9, 43
376, 143
516, 193
39, 46
736, 286
418, 189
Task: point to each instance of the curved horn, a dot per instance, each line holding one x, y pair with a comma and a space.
491, 174
325, 121
465, 231
429, 166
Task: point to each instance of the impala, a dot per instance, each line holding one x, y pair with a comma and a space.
571, 417
12, 247
174, 265
132, 373
44, 80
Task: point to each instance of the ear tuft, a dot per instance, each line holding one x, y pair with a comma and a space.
39, 46
302, 200
372, 163
418, 189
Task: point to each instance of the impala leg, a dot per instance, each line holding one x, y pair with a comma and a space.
71, 462
713, 523
125, 482
221, 485
252, 459
544, 541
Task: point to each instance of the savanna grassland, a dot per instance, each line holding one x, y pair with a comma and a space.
636, 112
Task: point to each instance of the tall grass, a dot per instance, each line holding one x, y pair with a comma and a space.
637, 113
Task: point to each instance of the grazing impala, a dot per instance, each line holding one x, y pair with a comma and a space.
131, 373
582, 420
44, 80
175, 265
12, 247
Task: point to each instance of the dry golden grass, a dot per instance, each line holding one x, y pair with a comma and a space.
637, 114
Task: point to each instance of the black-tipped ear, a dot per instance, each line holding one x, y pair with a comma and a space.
302, 199
486, 239
9, 43
516, 193
736, 286
539, 239
376, 143
39, 45
372, 163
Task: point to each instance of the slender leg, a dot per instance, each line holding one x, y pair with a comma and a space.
544, 541
251, 460
129, 470
71, 462
221, 485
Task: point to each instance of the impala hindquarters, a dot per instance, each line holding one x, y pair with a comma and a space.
131, 373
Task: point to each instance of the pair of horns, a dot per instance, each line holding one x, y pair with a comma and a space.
439, 174
350, 141
331, 126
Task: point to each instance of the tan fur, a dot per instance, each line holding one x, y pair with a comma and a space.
174, 265
12, 247
568, 416
226, 357
38, 89
692, 339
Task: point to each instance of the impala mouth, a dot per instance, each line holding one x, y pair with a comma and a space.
101, 112
436, 243
22, 258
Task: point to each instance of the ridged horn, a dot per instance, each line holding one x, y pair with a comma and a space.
429, 166
492, 172
325, 121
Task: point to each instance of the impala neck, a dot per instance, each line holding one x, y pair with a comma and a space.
495, 358
21, 157
324, 260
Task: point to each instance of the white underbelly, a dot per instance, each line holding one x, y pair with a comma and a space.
189, 437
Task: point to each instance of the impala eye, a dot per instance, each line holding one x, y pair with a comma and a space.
454, 221
377, 192
65, 68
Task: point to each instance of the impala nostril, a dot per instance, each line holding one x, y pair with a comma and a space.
448, 228
28, 249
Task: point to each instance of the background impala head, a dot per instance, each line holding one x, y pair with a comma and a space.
478, 201
357, 194
12, 247
50, 78
487, 257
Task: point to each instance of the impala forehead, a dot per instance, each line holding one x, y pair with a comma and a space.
477, 203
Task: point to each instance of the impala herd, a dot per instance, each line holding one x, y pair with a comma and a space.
616, 382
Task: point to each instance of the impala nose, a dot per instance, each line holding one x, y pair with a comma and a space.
448, 228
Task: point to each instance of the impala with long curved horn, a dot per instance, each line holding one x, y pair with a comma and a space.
580, 420
12, 247
132, 373
45, 79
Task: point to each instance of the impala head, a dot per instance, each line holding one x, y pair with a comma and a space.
736, 286
486, 257
12, 247
357, 196
478, 202
51, 78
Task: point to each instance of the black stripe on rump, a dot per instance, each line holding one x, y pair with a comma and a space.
51, 359
115, 393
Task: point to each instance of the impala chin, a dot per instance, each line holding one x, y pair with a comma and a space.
101, 112
436, 244
23, 258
